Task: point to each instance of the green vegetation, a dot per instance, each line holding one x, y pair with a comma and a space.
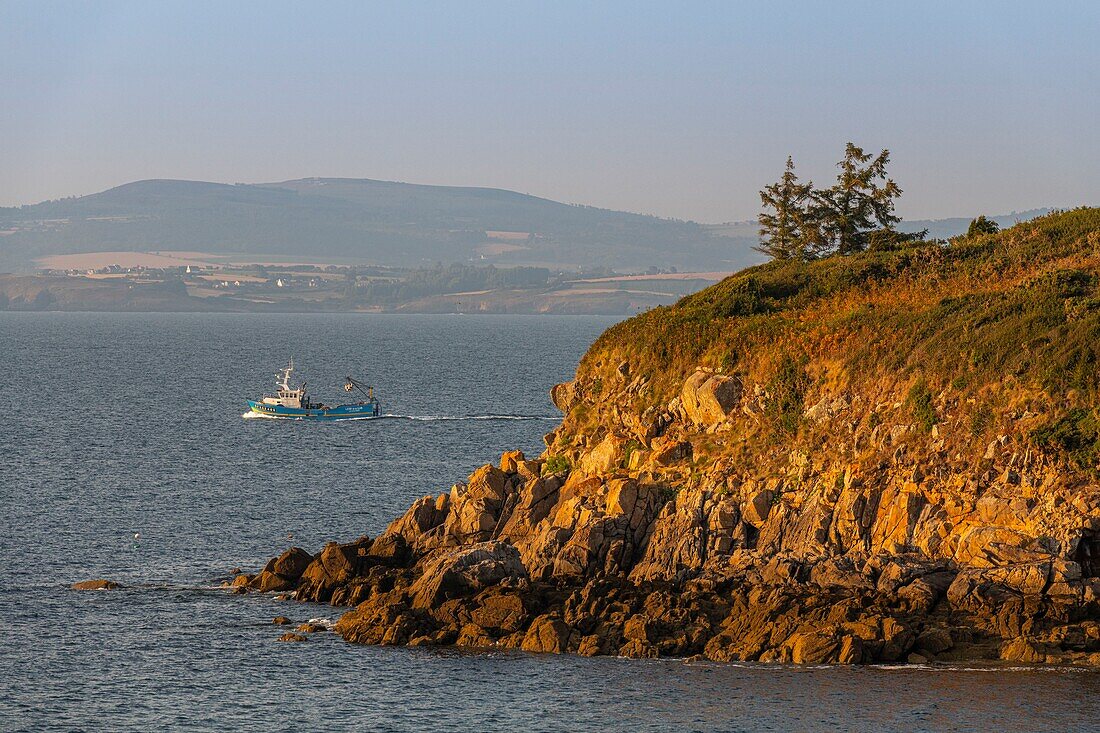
786, 216
981, 226
921, 404
631, 446
1076, 435
785, 394
554, 465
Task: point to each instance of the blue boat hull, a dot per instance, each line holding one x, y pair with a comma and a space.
362, 411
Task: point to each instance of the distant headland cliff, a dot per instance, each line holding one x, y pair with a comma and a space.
888, 457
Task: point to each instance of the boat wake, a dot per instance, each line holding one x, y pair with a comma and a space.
437, 418
418, 418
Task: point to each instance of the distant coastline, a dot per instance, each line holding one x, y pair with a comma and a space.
166, 281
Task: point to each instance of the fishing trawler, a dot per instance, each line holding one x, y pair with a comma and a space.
293, 403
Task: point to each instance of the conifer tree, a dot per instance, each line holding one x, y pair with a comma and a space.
783, 221
862, 198
982, 225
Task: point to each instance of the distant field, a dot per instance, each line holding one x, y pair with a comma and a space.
711, 276
492, 249
172, 258
96, 260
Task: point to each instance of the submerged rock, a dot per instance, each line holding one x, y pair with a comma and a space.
99, 584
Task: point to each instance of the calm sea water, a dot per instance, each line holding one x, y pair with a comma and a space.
121, 424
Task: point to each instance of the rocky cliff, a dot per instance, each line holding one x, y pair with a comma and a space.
886, 457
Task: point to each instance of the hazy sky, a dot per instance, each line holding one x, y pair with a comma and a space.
677, 109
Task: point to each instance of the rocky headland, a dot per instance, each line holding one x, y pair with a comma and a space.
886, 457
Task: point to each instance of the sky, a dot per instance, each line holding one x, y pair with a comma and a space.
678, 109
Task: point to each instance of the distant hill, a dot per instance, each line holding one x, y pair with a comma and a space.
379, 222
361, 220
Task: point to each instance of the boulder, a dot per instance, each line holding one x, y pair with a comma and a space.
487, 482
291, 564
1021, 650
668, 450
605, 457
677, 544
547, 634
504, 613
472, 635
708, 398
815, 647
280, 621
564, 395
466, 570
267, 581
291, 636
510, 460
425, 514
757, 507
391, 549
335, 566
934, 641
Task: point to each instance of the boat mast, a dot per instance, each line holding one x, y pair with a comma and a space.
283, 378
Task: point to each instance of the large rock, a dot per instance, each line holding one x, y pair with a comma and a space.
677, 544
291, 564
708, 398
564, 395
547, 634
334, 567
465, 571
605, 457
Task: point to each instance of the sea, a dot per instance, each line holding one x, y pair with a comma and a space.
124, 455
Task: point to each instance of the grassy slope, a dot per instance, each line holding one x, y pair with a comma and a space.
976, 334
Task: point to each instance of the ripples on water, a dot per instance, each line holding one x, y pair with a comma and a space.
124, 423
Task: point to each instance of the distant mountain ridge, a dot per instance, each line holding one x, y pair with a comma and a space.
377, 222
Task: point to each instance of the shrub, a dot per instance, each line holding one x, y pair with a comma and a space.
1076, 435
785, 393
920, 403
555, 464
